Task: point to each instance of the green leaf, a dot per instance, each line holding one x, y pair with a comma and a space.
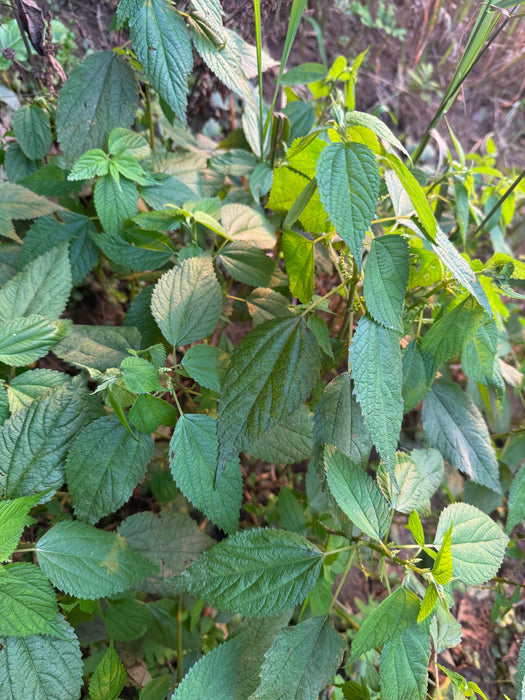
25, 340
127, 140
455, 427
375, 361
90, 164
256, 572
247, 263
140, 376
319, 328
443, 565
187, 301
338, 421
386, 280
162, 45
479, 360
416, 528
271, 373
149, 412
418, 476
304, 74
20, 203
17, 165
449, 334
109, 677
205, 364
104, 466
291, 514
194, 452
393, 615
171, 541
115, 202
41, 289
100, 347
49, 664
520, 674
35, 440
86, 117
288, 186
429, 599
348, 181
30, 385
135, 248
129, 167
445, 630
246, 224
287, 443
516, 500
267, 305
356, 494
415, 376
127, 619
27, 601
299, 257
50, 180
13, 516
404, 665
301, 661
210, 13
478, 543
89, 563
32, 131
354, 118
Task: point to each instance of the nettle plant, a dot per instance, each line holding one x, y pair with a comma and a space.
205, 238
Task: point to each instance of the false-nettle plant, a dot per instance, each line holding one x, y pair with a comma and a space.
205, 237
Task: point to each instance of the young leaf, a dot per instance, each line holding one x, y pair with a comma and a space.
89, 563
288, 186
109, 677
126, 140
299, 257
148, 412
171, 541
194, 452
301, 661
85, 117
516, 500
32, 131
455, 427
129, 167
25, 340
355, 118
271, 373
27, 601
104, 466
443, 566
375, 361
477, 545
416, 528
386, 279
114, 202
187, 301
205, 364
418, 477
160, 40
356, 494
404, 665
256, 572
90, 164
51, 664
429, 600
348, 181
140, 376
13, 515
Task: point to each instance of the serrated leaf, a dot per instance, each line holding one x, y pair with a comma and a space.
271, 373
376, 366
187, 301
129, 167
299, 257
301, 661
194, 452
41, 288
286, 443
127, 140
85, 118
516, 500
13, 515
356, 494
386, 280
393, 615
355, 118
287, 187
27, 601
18, 202
247, 263
135, 248
418, 475
479, 360
109, 678
127, 619
338, 421
162, 45
30, 385
256, 572
443, 569
477, 545
103, 467
149, 412
520, 673
91, 163
35, 440
266, 305
455, 427
25, 340
100, 347
415, 376
246, 224
171, 541
89, 563
32, 131
140, 376
115, 202
404, 665
206, 365
348, 182
50, 664
416, 528
445, 630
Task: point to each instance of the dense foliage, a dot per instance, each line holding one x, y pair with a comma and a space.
294, 294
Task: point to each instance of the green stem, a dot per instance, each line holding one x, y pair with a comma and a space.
321, 299
343, 613
258, 44
499, 203
180, 652
342, 581
150, 120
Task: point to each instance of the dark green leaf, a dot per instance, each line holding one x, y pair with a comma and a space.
247, 263
386, 279
127, 619
27, 601
415, 376
149, 412
32, 131
13, 515
100, 347
206, 365
404, 665
115, 202
30, 385
286, 443
516, 500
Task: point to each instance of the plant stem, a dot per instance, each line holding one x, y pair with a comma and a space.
342, 581
321, 299
345, 615
179, 640
499, 203
150, 120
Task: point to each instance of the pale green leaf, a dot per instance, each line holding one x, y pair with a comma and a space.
32, 131
246, 224
90, 164
516, 500
404, 665
41, 667
256, 572
375, 362
301, 661
115, 202
356, 494
100, 347
271, 373
443, 565
520, 674
266, 305
416, 528
478, 359
128, 166
299, 257
386, 279
210, 12
127, 140
455, 427
194, 453
445, 630
89, 563
287, 443
17, 202
418, 475
140, 375
85, 118
109, 678
25, 340
206, 365
104, 466
171, 541
247, 263
187, 301
478, 543
348, 181
13, 515
32, 384
287, 187
27, 601
248, 51
354, 118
